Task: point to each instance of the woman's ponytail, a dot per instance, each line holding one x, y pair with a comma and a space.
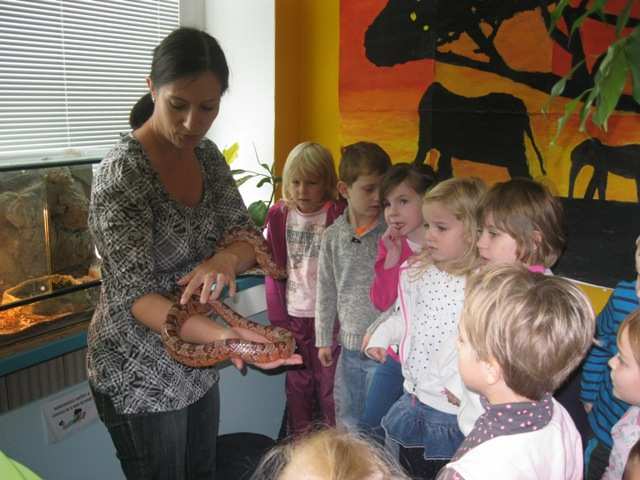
141, 111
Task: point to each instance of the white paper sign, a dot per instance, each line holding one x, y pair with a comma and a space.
68, 413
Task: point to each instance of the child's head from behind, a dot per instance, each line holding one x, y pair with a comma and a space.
309, 177
401, 193
450, 215
329, 454
521, 222
362, 166
525, 329
625, 366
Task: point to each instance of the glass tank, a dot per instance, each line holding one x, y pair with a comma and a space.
49, 270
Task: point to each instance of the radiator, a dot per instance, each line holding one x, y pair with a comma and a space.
30, 384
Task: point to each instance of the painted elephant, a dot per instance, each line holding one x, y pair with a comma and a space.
488, 129
623, 160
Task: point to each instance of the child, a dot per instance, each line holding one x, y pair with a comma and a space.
521, 223
632, 469
294, 229
347, 256
329, 454
401, 194
521, 334
603, 408
625, 377
430, 297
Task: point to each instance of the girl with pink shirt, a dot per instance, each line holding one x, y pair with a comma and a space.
401, 192
294, 229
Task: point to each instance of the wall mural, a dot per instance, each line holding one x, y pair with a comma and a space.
461, 85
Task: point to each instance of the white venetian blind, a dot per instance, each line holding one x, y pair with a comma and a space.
70, 71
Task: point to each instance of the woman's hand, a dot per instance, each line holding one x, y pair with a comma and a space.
218, 271
245, 334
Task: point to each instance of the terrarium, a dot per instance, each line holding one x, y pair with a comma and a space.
49, 270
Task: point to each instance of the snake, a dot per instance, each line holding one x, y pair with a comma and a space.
280, 342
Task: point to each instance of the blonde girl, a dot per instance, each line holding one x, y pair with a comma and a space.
329, 454
430, 298
294, 229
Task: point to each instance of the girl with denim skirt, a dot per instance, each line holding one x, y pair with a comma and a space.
521, 223
430, 298
401, 192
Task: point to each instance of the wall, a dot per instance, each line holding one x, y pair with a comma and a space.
306, 75
246, 32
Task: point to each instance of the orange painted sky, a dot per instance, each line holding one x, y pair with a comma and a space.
380, 104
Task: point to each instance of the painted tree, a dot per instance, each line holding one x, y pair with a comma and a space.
407, 30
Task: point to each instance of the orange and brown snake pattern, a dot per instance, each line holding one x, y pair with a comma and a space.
280, 343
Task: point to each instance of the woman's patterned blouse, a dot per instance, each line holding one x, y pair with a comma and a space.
147, 241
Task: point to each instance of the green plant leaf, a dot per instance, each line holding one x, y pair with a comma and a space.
231, 153
611, 85
623, 18
632, 52
266, 167
559, 87
557, 13
263, 181
569, 108
598, 7
242, 180
585, 111
238, 171
258, 212
578, 23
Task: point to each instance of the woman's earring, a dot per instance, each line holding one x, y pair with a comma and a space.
153, 99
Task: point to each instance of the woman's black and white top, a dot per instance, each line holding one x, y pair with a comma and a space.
147, 241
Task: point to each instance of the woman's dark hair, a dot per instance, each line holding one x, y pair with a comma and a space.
420, 178
182, 53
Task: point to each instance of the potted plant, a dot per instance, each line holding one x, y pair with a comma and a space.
610, 72
265, 175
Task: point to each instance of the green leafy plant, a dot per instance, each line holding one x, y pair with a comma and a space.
611, 70
258, 209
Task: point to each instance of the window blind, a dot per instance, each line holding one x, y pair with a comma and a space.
70, 71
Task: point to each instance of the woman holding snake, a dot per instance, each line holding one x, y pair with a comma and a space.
162, 198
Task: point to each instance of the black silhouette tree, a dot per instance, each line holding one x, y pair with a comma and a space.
407, 30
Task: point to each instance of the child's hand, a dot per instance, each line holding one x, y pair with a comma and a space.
587, 406
453, 400
377, 353
392, 241
324, 354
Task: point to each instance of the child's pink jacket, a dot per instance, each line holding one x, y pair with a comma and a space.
384, 289
276, 290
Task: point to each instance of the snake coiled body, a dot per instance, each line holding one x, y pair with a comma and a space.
280, 341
